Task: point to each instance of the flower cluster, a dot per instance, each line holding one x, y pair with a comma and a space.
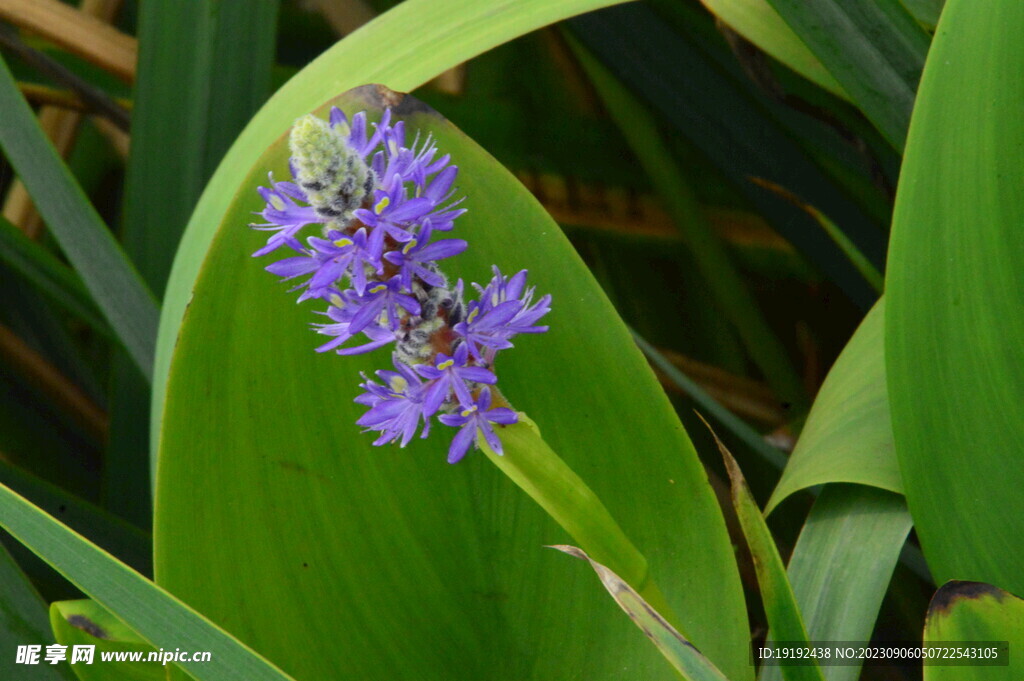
376, 205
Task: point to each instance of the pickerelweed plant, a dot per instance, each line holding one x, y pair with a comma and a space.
377, 203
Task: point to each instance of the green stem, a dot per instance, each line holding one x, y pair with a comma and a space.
530, 463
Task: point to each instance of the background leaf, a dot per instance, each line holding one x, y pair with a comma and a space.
758, 22
115, 285
874, 48
780, 605
191, 100
842, 565
23, 622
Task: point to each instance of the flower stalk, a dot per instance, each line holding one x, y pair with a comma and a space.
530, 463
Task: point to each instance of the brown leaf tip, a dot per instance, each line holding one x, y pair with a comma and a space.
956, 590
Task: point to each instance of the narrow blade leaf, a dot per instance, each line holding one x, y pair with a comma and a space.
676, 649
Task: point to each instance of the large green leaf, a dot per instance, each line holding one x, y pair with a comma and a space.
150, 611
403, 49
972, 613
430, 571
873, 48
848, 434
954, 319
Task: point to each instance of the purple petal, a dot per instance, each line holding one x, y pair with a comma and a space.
492, 440
477, 375
502, 415
293, 267
445, 248
435, 396
460, 443
410, 209
366, 315
441, 184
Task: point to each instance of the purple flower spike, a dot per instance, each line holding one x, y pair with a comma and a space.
475, 418
376, 202
449, 374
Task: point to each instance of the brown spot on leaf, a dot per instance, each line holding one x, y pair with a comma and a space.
298, 468
88, 626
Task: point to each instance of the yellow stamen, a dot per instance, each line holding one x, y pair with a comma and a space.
378, 288
381, 205
470, 410
473, 314
409, 246
342, 242
445, 364
398, 384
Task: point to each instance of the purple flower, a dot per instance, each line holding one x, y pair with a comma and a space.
383, 298
342, 329
407, 164
505, 309
477, 417
283, 215
355, 133
393, 214
339, 255
450, 374
395, 407
328, 260
415, 257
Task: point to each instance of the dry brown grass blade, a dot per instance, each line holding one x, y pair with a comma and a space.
61, 125
742, 396
77, 31
616, 209
67, 396
62, 99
